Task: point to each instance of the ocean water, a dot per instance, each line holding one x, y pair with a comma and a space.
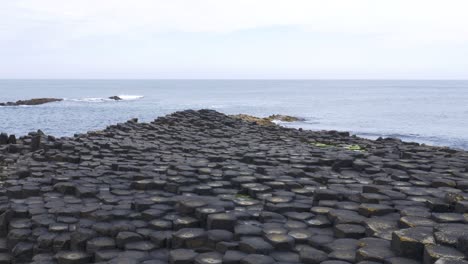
431, 112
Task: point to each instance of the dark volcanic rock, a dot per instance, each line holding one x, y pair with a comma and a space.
202, 187
34, 101
411, 242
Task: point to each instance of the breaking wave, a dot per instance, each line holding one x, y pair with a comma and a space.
129, 97
123, 97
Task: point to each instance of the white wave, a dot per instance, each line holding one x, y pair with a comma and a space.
130, 97
281, 123
90, 99
216, 106
277, 122
123, 97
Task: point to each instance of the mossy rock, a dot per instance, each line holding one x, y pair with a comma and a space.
258, 120
267, 121
354, 147
285, 118
243, 196
321, 145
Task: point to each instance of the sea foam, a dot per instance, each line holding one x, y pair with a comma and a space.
123, 97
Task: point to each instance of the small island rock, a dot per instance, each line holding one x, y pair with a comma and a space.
34, 101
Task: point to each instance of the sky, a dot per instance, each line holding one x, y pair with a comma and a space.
231, 39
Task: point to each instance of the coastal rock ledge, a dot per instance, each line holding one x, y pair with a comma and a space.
34, 101
203, 187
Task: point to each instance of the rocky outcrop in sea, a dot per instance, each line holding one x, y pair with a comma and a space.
203, 187
41, 101
267, 121
34, 101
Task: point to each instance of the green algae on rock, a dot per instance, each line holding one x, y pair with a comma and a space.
267, 121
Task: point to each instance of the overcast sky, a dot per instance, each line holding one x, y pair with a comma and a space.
402, 39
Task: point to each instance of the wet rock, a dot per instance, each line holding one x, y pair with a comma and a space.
158, 224
17, 235
99, 243
11, 139
257, 259
349, 231
461, 207
434, 252
448, 217
414, 221
218, 235
312, 256
233, 256
3, 138
229, 189
126, 237
337, 262
5, 258
182, 256
374, 253
23, 251
410, 242
61, 242
209, 258
343, 255
280, 241
106, 255
189, 238
285, 256
224, 246
255, 245
161, 239
34, 101
221, 221
185, 222
448, 234
450, 261
369, 210
401, 260
342, 244
325, 194
319, 241
189, 206
345, 217
139, 245
462, 244
73, 257
300, 235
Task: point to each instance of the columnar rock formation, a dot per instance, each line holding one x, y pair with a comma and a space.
202, 187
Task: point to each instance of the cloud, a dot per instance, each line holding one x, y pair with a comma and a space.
82, 17
325, 35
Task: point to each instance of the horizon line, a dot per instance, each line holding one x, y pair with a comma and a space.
236, 79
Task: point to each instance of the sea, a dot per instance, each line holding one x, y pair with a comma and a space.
424, 111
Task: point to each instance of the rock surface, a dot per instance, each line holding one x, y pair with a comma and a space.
34, 101
267, 121
202, 187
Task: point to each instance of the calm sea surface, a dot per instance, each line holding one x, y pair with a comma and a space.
432, 112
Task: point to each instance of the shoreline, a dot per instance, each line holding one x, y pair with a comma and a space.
200, 185
294, 122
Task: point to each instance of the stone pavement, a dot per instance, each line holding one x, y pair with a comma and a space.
202, 187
